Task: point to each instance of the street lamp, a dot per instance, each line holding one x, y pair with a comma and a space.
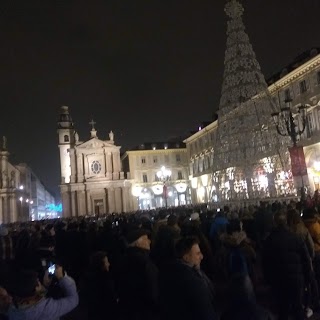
288, 126
164, 176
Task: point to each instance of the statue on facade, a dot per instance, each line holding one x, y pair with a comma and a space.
111, 136
4, 143
76, 137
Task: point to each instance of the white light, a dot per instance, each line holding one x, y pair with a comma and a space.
27, 200
204, 180
170, 193
316, 165
194, 183
21, 199
31, 202
181, 187
201, 192
136, 191
21, 187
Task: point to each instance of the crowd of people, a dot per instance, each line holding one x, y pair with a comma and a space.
259, 262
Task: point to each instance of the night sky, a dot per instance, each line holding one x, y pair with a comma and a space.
147, 69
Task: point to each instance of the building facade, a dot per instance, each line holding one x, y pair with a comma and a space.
299, 82
148, 187
20, 192
92, 180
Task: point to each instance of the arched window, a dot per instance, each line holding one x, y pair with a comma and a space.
66, 138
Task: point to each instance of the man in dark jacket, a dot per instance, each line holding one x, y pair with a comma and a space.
138, 279
185, 291
286, 266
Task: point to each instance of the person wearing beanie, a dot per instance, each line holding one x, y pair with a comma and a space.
30, 303
138, 279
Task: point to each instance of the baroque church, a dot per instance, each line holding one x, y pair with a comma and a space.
92, 181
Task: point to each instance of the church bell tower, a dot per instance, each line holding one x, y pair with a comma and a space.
66, 141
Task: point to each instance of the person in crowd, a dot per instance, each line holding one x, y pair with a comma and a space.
218, 226
287, 267
99, 290
162, 250
185, 290
5, 303
30, 303
138, 279
241, 302
7, 253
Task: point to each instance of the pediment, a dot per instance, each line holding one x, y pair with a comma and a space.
95, 143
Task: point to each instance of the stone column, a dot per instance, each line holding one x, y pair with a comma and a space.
6, 213
116, 164
79, 168
125, 203
109, 166
81, 203
111, 200
73, 166
89, 204
66, 205
74, 212
14, 209
118, 200
4, 169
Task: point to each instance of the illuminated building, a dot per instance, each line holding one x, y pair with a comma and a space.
159, 174
92, 181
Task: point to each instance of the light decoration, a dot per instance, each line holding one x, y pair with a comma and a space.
204, 180
194, 183
54, 207
157, 189
181, 187
136, 191
316, 165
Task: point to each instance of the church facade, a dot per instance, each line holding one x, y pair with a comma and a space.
92, 181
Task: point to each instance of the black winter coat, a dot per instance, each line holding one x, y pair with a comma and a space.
184, 294
138, 285
285, 258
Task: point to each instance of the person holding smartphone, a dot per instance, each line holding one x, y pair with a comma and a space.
29, 301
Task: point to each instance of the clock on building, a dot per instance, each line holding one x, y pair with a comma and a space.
96, 167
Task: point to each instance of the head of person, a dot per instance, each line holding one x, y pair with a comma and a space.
25, 284
293, 217
50, 229
280, 219
188, 250
139, 238
99, 262
234, 225
172, 220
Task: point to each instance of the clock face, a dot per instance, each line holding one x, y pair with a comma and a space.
96, 167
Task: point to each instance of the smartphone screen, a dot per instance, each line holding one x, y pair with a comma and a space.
52, 269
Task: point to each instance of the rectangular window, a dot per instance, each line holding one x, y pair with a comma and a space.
155, 159
178, 158
145, 178
143, 160
180, 176
303, 86
287, 95
309, 125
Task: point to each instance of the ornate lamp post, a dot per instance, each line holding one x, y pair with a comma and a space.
288, 126
164, 176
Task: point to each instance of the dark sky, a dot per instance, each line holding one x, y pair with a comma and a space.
146, 69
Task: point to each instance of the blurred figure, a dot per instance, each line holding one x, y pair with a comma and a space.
99, 288
287, 267
241, 304
29, 297
138, 279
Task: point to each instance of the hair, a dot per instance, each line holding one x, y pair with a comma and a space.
24, 283
234, 225
280, 219
293, 217
96, 260
172, 220
184, 245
